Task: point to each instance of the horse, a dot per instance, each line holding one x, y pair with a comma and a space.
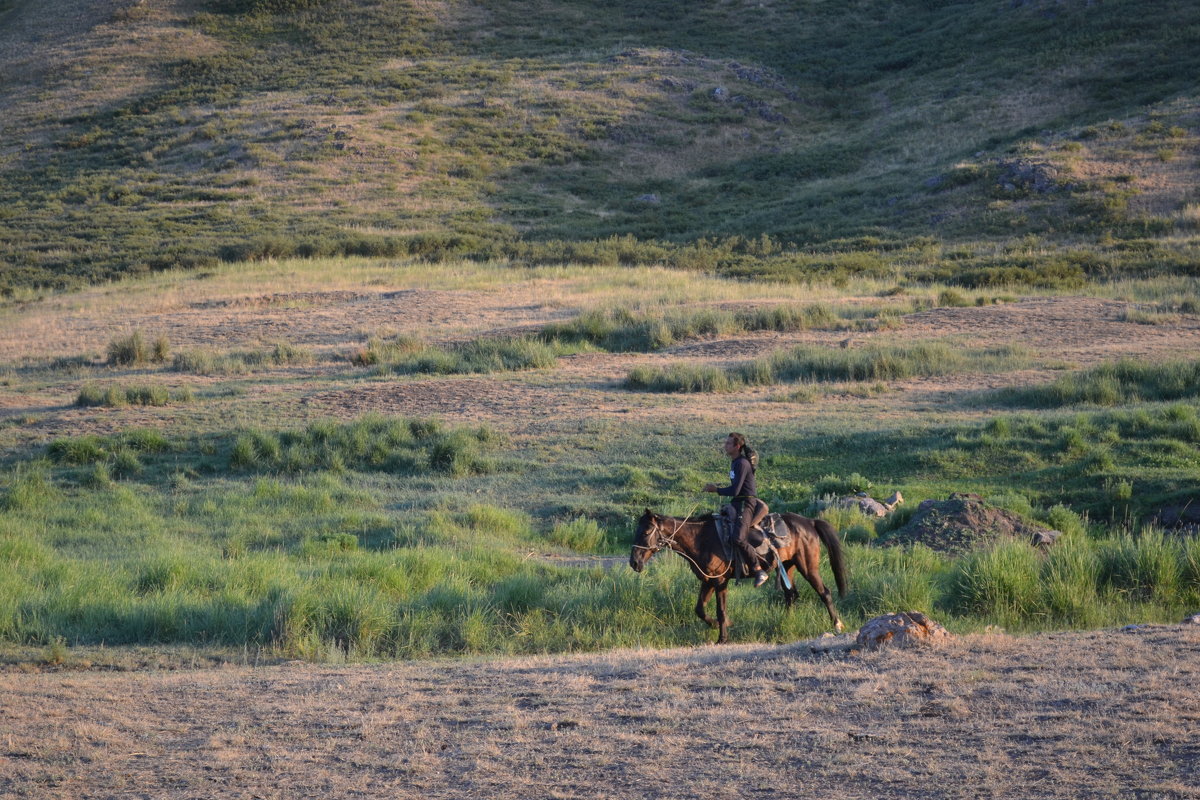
698, 542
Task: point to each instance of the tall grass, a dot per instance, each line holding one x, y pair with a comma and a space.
620, 330
825, 364
1118, 383
406, 356
133, 350
209, 362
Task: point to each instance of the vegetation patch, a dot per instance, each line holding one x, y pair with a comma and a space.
825, 364
1118, 383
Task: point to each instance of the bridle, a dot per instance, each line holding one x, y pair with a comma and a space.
657, 539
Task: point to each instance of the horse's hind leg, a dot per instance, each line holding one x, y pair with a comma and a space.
812, 573
706, 592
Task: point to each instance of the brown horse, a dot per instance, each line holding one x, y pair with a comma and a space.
698, 542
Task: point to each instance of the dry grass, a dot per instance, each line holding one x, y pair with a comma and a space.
1102, 714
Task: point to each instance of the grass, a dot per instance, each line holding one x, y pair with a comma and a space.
385, 538
406, 356
92, 395
208, 362
133, 350
1114, 384
478, 136
620, 330
874, 362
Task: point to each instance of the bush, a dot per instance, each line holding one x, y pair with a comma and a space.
128, 350
679, 378
133, 350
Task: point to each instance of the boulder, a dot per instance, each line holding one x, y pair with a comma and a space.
869, 505
907, 628
1194, 619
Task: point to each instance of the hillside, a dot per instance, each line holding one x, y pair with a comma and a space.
1102, 714
148, 134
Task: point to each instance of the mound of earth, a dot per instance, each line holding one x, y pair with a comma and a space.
964, 522
1183, 516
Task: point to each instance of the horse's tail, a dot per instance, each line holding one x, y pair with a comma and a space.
837, 560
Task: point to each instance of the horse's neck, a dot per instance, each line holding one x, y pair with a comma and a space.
683, 535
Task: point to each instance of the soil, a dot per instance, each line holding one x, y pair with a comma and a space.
961, 523
1062, 332
1098, 714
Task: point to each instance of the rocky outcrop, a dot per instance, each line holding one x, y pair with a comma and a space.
904, 629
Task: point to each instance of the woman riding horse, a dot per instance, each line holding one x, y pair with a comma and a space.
741, 492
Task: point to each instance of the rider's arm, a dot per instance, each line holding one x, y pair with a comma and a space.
741, 468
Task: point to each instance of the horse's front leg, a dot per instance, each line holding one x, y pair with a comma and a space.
706, 591
789, 595
722, 620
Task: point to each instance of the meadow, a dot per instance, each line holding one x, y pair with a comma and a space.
298, 499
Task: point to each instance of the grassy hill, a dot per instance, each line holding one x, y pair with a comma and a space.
160, 133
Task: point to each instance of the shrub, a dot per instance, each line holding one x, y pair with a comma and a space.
147, 396
952, 298
90, 395
129, 350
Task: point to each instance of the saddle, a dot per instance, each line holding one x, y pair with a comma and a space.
767, 533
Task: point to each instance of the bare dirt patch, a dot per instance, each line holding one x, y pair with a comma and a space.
1104, 714
1062, 332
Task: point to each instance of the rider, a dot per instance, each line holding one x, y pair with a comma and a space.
741, 491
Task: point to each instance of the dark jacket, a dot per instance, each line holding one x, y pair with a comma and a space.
741, 486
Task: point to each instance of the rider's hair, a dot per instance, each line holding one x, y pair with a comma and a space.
745, 450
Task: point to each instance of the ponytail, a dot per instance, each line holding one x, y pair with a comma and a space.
746, 451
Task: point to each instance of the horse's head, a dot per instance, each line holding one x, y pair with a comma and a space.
647, 540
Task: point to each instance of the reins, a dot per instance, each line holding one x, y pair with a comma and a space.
671, 542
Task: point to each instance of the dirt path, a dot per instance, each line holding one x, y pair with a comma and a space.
1101, 714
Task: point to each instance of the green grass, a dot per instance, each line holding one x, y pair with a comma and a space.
474, 356
115, 397
208, 362
810, 363
383, 538
1113, 384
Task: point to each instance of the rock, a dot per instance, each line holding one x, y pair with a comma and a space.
908, 628
1194, 619
720, 94
869, 505
649, 199
1031, 176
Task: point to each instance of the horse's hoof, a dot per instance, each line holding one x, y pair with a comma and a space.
839, 627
